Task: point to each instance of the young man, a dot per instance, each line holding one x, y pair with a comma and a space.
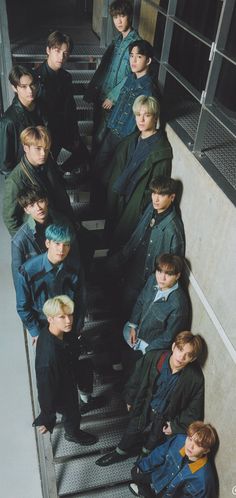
29, 240
166, 390
36, 168
143, 155
121, 121
56, 92
160, 230
58, 372
109, 78
161, 310
25, 110
46, 275
179, 467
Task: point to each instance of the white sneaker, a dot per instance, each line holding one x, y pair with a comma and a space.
134, 489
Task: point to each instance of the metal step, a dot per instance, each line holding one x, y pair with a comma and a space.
81, 76
79, 476
115, 491
85, 127
36, 52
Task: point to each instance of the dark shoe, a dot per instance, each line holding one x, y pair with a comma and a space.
134, 489
92, 404
82, 437
111, 458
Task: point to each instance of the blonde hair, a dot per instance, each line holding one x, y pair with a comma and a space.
36, 135
54, 306
150, 103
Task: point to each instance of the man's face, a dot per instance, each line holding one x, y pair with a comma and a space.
38, 210
146, 122
161, 202
57, 56
36, 154
139, 63
26, 90
192, 450
181, 356
57, 251
166, 278
121, 23
62, 322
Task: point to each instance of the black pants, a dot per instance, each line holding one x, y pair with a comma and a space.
143, 481
132, 437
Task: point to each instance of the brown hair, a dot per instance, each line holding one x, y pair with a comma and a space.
204, 434
169, 261
187, 337
36, 135
121, 7
163, 185
56, 39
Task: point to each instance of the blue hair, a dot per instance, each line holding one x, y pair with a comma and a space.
59, 233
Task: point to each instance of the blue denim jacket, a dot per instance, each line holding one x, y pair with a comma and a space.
159, 321
24, 244
122, 120
38, 281
164, 463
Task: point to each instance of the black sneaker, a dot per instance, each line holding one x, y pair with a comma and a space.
111, 458
92, 404
82, 437
135, 490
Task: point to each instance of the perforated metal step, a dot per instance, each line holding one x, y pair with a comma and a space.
36, 52
81, 475
116, 491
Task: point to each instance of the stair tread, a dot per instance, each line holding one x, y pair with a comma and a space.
117, 491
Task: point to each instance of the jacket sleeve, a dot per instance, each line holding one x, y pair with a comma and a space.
156, 457
115, 92
17, 259
24, 304
12, 212
47, 388
8, 146
138, 307
194, 406
177, 243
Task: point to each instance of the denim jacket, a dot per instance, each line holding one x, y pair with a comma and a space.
39, 280
159, 321
24, 244
164, 463
122, 120
167, 236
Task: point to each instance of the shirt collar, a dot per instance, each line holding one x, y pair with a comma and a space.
195, 466
164, 294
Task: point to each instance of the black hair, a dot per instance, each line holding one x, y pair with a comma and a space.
163, 185
144, 48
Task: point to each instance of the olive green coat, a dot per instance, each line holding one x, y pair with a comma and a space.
122, 219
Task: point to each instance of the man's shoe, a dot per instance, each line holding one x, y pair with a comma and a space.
134, 489
111, 458
92, 404
82, 437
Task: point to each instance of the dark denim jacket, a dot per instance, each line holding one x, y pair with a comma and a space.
39, 280
24, 244
158, 322
167, 236
122, 120
164, 463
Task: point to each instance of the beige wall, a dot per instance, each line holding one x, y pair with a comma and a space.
210, 225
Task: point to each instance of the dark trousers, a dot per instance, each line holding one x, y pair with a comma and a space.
143, 481
132, 436
71, 420
101, 168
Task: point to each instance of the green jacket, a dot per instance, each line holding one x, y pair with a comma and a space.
187, 400
124, 218
22, 177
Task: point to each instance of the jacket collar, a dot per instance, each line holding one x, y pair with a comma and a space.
195, 466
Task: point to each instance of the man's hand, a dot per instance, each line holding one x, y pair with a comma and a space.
167, 429
133, 337
34, 341
129, 407
107, 104
42, 429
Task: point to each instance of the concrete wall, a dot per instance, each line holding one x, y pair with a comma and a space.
210, 225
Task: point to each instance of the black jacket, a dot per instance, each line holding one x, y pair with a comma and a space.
187, 400
14, 121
